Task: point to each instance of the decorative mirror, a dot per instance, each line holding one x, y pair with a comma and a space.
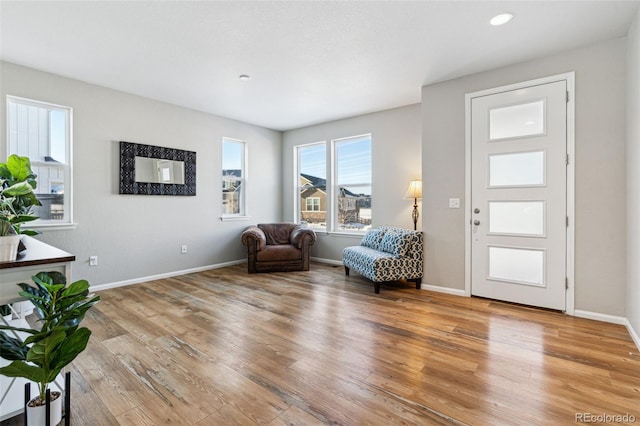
155, 170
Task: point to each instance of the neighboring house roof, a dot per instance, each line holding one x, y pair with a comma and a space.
232, 172
348, 193
315, 181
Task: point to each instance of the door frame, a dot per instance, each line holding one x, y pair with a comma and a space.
570, 193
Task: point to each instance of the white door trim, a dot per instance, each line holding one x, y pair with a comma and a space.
570, 79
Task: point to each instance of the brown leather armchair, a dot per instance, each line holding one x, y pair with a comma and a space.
278, 247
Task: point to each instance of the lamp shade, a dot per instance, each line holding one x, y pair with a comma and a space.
415, 189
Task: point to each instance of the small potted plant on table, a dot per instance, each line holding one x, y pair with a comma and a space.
59, 340
17, 199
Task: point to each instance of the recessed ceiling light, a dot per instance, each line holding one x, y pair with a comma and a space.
244, 77
501, 19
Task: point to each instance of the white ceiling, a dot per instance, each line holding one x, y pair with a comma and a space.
310, 61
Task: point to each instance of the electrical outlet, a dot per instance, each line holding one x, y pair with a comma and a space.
454, 203
183, 250
93, 260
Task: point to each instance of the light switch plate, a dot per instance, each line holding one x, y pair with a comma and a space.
454, 203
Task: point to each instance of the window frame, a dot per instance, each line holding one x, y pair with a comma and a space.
67, 221
242, 201
335, 185
332, 188
297, 205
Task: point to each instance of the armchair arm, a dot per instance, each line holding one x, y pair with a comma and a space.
254, 235
299, 234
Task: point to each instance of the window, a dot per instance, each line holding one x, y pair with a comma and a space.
312, 185
313, 204
233, 177
352, 187
42, 132
344, 201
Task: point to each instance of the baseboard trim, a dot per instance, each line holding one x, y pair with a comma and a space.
445, 290
328, 261
613, 319
139, 280
634, 335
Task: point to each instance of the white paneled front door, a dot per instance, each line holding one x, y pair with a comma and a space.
519, 195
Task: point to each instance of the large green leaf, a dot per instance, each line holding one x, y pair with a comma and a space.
20, 167
22, 369
41, 353
36, 337
12, 348
5, 174
50, 278
23, 330
78, 288
54, 288
18, 189
71, 347
23, 218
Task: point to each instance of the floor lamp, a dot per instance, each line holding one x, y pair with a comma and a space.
415, 192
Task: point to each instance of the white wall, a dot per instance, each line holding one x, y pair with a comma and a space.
600, 247
137, 236
633, 177
396, 160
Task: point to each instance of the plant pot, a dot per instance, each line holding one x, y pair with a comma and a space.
7, 313
37, 416
9, 247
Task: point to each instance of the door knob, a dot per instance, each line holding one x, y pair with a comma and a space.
476, 222
476, 210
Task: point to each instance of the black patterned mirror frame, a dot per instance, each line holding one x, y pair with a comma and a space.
128, 185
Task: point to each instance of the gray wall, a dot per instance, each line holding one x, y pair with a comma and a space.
140, 236
396, 159
600, 247
633, 176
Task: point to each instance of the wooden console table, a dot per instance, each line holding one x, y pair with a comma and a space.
38, 257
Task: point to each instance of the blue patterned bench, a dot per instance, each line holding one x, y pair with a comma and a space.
387, 254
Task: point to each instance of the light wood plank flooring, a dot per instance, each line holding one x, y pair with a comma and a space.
223, 347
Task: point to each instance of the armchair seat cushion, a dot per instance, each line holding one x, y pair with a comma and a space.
278, 253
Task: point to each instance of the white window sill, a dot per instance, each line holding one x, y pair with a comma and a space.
347, 234
234, 218
52, 226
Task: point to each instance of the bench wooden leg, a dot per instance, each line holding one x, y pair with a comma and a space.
346, 271
418, 283
376, 288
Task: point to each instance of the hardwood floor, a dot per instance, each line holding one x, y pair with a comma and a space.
223, 347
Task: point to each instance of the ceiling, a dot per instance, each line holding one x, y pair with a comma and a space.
309, 61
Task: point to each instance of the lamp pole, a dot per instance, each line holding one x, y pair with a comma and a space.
415, 214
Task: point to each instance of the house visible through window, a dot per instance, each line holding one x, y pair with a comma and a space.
343, 200
352, 158
42, 132
312, 185
233, 178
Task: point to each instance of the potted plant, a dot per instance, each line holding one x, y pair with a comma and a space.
9, 241
17, 199
5, 311
50, 348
